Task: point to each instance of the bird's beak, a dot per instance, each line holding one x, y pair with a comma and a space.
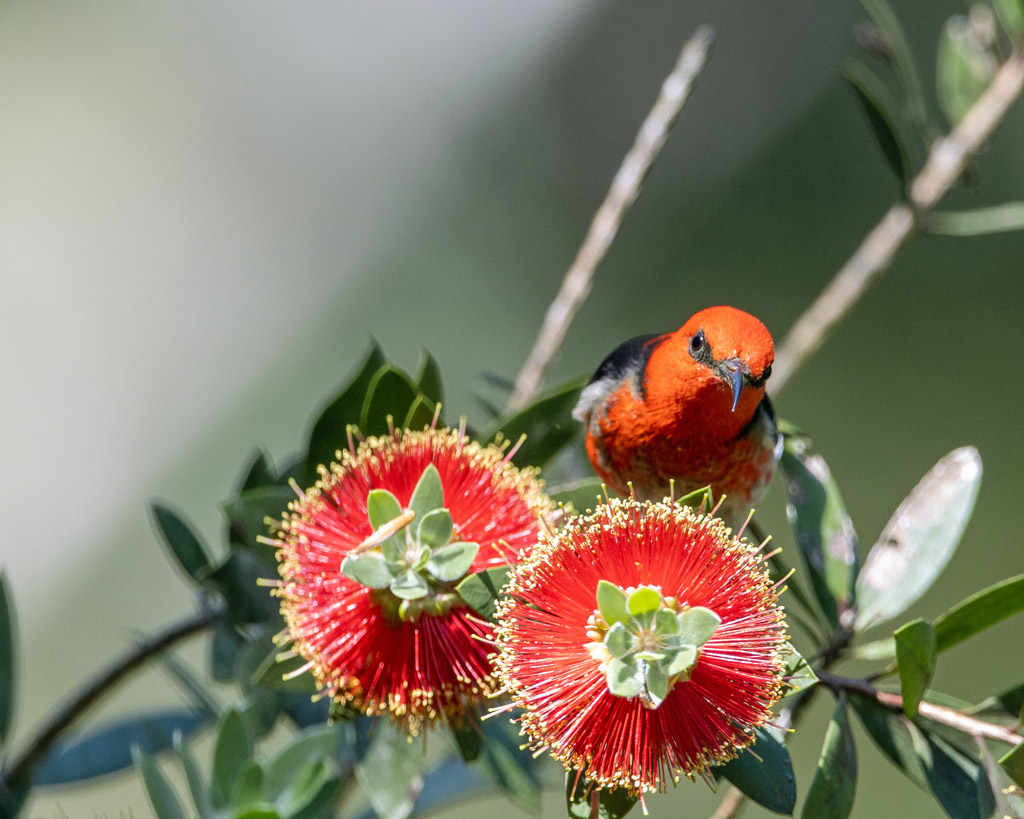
735, 375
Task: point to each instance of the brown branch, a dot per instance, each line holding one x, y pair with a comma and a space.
731, 805
946, 161
21, 769
937, 713
623, 192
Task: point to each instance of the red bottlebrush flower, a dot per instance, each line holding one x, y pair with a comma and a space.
642, 641
370, 558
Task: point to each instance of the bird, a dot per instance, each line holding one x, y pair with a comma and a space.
669, 414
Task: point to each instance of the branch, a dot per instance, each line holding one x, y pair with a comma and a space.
623, 192
21, 769
937, 713
946, 161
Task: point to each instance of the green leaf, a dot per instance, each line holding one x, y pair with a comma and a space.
391, 393
1011, 15
892, 732
232, 749
262, 668
248, 513
684, 660
1009, 703
409, 586
611, 602
223, 648
822, 528
183, 543
919, 539
612, 803
382, 507
958, 781
697, 625
965, 69
428, 378
883, 649
200, 695
249, 785
392, 794
331, 429
469, 737
420, 414
8, 658
161, 795
508, 765
881, 110
435, 529
578, 496
451, 562
655, 684
260, 472
915, 657
197, 784
798, 674
645, 600
831, 792
978, 221
625, 679
236, 579
979, 611
481, 591
619, 641
546, 423
370, 569
1013, 763
697, 499
764, 773
428, 494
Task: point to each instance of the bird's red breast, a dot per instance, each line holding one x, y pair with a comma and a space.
688, 407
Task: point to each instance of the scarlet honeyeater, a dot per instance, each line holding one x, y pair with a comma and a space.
687, 407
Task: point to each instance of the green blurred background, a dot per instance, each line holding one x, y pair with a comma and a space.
206, 209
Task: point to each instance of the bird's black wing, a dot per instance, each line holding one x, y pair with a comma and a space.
629, 359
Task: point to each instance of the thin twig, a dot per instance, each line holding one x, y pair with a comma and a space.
946, 161
623, 192
21, 769
731, 805
937, 713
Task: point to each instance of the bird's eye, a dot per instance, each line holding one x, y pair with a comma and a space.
697, 343
767, 372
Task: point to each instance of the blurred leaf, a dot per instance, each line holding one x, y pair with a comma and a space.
292, 782
108, 747
979, 611
919, 539
798, 673
822, 528
977, 222
420, 414
1011, 15
508, 765
915, 657
891, 731
832, 790
161, 795
271, 672
481, 591
391, 393
902, 60
248, 789
197, 784
247, 514
469, 738
428, 378
546, 423
1013, 763
236, 578
256, 811
450, 782
202, 699
1009, 703
232, 749
583, 495
880, 108
330, 432
8, 658
392, 795
260, 472
223, 648
964, 69
764, 773
184, 544
958, 781
883, 649
612, 803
